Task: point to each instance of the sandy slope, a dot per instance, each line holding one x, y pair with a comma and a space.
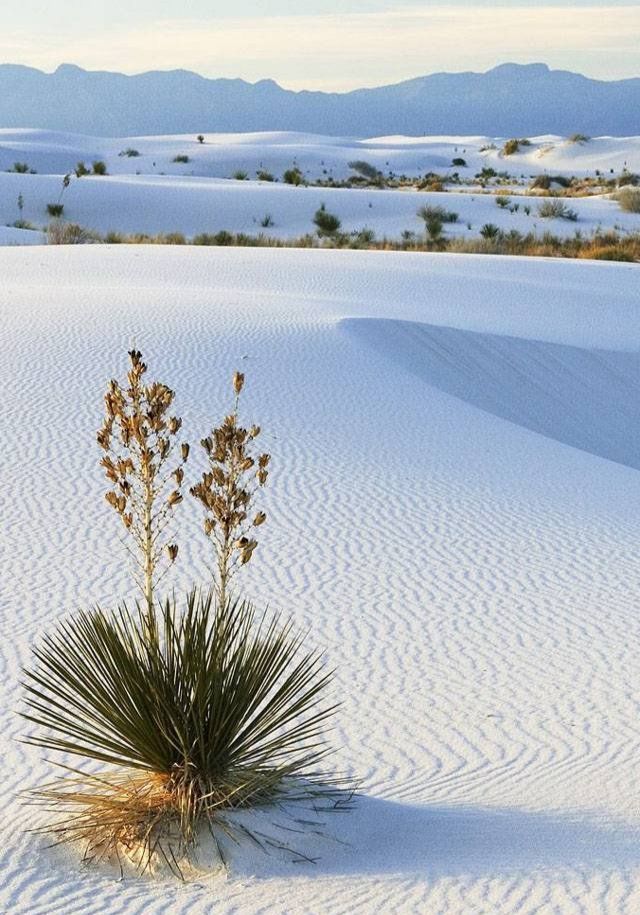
151, 193
446, 517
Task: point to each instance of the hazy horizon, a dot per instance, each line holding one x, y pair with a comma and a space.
330, 45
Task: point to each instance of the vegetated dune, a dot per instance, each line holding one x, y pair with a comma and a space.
147, 191
453, 514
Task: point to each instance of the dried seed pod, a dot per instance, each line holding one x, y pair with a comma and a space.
238, 382
172, 551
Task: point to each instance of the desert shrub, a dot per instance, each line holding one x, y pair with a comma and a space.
427, 212
267, 221
292, 176
326, 223
368, 172
181, 159
99, 168
489, 230
21, 168
578, 138
55, 210
129, 153
627, 179
195, 708
81, 170
513, 146
23, 224
264, 176
459, 163
503, 202
200, 138
556, 209
113, 238
69, 233
629, 200
172, 238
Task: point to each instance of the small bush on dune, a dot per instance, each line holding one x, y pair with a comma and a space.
181, 159
503, 202
293, 176
129, 153
556, 209
578, 138
326, 223
55, 209
240, 175
99, 168
446, 216
81, 170
21, 168
197, 707
629, 200
69, 233
513, 146
264, 176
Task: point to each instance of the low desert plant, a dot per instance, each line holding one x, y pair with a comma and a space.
264, 176
578, 138
81, 170
217, 710
293, 176
489, 230
503, 202
513, 146
326, 223
21, 168
629, 200
200, 138
181, 159
458, 162
69, 233
129, 153
240, 175
55, 210
556, 209
267, 221
197, 709
428, 213
99, 168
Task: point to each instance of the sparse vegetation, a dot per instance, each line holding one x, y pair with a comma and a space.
264, 176
99, 168
629, 200
81, 170
200, 138
293, 176
55, 210
326, 223
69, 233
428, 212
553, 208
267, 221
503, 202
240, 175
511, 147
129, 153
181, 159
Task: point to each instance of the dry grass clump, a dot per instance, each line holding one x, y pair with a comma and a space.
629, 199
197, 707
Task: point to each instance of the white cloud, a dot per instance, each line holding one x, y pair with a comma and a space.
345, 51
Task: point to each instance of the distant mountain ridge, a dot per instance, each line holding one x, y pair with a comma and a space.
509, 100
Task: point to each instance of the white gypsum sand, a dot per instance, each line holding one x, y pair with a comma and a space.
151, 193
454, 513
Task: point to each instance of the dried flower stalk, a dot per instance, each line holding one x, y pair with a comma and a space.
226, 491
138, 437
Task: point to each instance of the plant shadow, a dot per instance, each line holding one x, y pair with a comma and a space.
385, 837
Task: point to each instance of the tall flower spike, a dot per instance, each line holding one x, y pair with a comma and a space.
226, 491
138, 438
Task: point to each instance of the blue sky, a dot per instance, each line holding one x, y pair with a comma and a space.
324, 44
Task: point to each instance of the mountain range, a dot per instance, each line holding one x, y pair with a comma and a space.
509, 100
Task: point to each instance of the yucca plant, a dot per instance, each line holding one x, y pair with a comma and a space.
222, 711
196, 710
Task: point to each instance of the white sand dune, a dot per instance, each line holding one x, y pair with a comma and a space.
151, 193
454, 515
